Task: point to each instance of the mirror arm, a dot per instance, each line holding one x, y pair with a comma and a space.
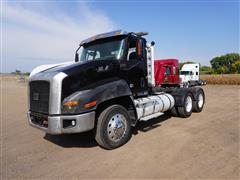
76, 54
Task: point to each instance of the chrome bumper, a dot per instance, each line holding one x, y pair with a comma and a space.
83, 122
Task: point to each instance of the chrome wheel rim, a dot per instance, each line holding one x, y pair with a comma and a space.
200, 100
188, 104
116, 127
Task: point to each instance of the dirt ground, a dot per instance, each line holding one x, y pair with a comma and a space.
204, 146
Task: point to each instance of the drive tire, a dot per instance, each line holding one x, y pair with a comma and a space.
185, 111
110, 118
200, 101
173, 112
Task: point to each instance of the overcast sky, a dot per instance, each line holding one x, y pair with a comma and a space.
35, 33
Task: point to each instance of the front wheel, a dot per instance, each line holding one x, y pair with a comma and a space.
113, 127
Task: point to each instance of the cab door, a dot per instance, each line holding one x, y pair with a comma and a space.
136, 66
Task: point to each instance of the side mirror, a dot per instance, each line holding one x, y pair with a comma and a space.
152, 43
76, 57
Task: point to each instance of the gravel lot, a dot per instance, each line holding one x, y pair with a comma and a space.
204, 146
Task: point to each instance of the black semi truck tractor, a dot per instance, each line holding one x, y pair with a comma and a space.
108, 89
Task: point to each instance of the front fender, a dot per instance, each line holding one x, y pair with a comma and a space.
102, 93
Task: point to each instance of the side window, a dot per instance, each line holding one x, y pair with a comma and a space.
132, 50
168, 71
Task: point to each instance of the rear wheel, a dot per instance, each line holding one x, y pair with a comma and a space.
113, 127
200, 100
186, 110
173, 112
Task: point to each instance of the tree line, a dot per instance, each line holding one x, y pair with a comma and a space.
20, 73
225, 64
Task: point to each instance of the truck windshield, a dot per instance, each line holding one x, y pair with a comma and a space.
110, 49
185, 72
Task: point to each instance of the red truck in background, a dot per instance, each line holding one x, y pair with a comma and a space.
166, 71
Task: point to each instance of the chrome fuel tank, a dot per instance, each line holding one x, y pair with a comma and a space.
151, 105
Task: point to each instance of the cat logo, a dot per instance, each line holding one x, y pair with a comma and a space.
35, 96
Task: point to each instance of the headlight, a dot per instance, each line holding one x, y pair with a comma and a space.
71, 103
70, 106
74, 107
79, 102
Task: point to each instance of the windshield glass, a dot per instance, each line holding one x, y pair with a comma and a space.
110, 49
184, 72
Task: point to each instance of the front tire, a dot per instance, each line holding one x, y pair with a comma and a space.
113, 127
186, 110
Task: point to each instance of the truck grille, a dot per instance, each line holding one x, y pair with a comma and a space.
39, 96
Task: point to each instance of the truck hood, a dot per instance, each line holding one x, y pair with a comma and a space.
80, 70
48, 66
73, 68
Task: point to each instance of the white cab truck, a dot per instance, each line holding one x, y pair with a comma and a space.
190, 75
